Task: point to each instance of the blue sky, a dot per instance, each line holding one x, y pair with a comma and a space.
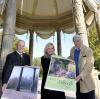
39, 43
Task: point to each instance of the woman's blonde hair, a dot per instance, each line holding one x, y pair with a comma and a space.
46, 48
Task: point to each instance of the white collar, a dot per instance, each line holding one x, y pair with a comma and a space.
19, 53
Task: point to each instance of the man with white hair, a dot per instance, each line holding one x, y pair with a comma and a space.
84, 60
16, 58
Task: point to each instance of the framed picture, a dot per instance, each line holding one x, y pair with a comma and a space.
23, 83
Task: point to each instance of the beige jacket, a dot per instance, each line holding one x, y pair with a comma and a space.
86, 63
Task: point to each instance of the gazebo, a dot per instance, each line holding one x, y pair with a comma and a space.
44, 17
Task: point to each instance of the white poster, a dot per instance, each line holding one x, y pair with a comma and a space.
22, 84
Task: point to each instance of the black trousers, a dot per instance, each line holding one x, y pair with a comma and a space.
50, 94
79, 95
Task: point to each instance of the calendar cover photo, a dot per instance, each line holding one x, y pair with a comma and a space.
61, 75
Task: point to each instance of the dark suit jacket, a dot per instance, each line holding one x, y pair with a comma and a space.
13, 59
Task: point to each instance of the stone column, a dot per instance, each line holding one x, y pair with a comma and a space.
8, 30
59, 42
97, 20
31, 42
79, 20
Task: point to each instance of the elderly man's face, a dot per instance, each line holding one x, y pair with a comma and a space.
77, 43
20, 46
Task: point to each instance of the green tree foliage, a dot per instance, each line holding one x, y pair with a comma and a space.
95, 45
37, 62
15, 43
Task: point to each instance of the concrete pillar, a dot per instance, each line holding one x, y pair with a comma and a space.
97, 20
59, 42
31, 43
79, 20
8, 31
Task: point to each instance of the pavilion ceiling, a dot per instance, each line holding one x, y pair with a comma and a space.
48, 15
44, 14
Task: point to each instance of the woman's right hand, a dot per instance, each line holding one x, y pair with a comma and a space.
4, 87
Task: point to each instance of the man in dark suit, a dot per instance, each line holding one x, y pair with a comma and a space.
16, 58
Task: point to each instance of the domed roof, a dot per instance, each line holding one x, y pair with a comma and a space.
50, 15
44, 14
